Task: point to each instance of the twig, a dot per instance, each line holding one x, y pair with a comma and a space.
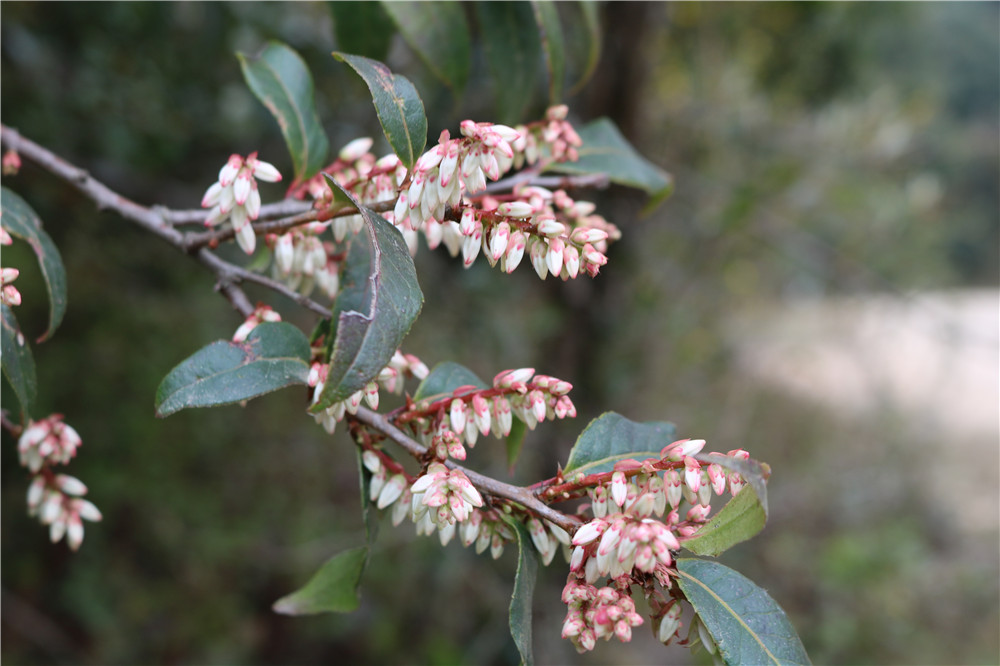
523, 496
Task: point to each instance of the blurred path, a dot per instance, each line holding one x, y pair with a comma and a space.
932, 358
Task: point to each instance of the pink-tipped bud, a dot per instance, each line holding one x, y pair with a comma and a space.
356, 149
457, 414
547, 225
227, 174
241, 187
619, 488
583, 235
515, 250
554, 257
262, 170
499, 240
515, 209
692, 474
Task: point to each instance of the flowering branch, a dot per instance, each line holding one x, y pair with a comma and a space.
523, 496
154, 220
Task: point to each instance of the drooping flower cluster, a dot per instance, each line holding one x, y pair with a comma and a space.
47, 442
261, 314
55, 498
447, 425
303, 261
444, 197
57, 501
637, 526
235, 197
390, 378
597, 613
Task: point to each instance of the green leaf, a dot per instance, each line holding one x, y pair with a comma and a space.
445, 378
611, 438
333, 589
281, 81
512, 50
606, 151
18, 364
515, 441
583, 39
439, 34
400, 109
377, 304
21, 221
746, 623
550, 32
740, 519
275, 355
524, 590
362, 28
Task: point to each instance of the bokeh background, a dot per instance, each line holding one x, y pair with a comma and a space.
822, 289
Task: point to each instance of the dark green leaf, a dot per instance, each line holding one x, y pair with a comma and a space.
740, 519
553, 48
379, 301
583, 40
439, 34
747, 624
362, 28
281, 81
524, 590
18, 364
611, 437
275, 355
606, 151
21, 221
445, 378
400, 109
513, 49
515, 441
333, 589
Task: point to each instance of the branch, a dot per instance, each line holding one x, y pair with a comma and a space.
158, 221
523, 496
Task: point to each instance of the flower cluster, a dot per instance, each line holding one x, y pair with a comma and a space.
9, 295
449, 424
57, 501
261, 314
235, 197
443, 497
390, 378
55, 498
303, 261
637, 528
597, 613
47, 442
444, 198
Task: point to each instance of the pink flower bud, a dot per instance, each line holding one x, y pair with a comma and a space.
554, 257
619, 488
356, 149
583, 235
515, 209
547, 225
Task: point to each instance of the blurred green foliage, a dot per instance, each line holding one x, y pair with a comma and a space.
817, 149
